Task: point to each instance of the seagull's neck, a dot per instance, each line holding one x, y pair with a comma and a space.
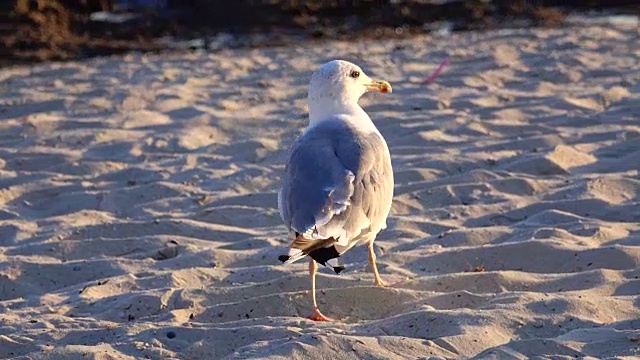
350, 112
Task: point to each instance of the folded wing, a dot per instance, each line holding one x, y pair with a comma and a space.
337, 185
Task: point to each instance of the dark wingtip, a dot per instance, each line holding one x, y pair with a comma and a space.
283, 258
338, 269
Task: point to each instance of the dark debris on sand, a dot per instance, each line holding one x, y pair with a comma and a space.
40, 30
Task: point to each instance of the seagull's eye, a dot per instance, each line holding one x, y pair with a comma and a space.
355, 74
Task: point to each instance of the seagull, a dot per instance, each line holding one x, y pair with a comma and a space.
337, 185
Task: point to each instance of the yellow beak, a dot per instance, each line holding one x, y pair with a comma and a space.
380, 86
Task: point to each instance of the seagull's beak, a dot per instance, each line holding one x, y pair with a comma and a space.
380, 86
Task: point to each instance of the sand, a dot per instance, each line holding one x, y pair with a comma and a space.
139, 216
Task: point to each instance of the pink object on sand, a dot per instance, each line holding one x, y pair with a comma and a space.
435, 74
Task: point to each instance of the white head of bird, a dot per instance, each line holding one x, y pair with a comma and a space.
337, 86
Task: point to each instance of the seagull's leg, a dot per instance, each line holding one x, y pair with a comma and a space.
317, 315
372, 261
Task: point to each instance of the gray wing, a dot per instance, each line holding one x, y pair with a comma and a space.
337, 183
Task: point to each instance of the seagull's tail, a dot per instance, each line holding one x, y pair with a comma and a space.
327, 256
292, 256
322, 251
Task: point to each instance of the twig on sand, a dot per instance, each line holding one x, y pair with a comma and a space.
90, 285
435, 74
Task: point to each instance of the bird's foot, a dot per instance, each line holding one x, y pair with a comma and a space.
318, 316
382, 283
379, 282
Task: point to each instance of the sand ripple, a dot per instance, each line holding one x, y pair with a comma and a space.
138, 210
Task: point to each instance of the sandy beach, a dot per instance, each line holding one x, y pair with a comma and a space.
139, 219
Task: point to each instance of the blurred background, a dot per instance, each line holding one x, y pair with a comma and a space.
41, 30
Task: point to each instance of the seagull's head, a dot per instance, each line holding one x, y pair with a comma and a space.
338, 84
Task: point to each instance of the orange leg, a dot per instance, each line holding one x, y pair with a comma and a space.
317, 315
372, 261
